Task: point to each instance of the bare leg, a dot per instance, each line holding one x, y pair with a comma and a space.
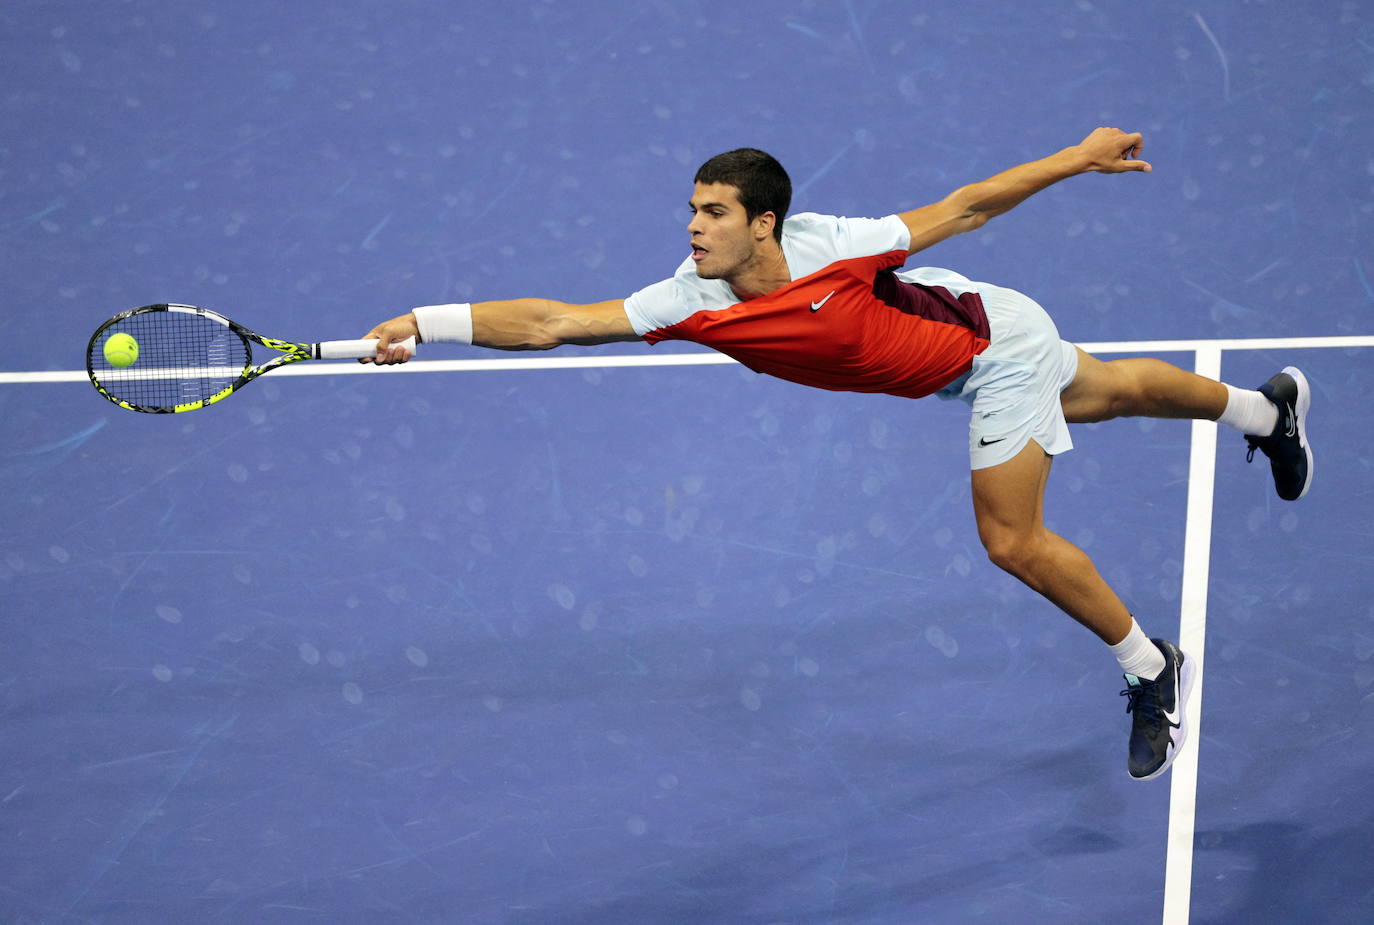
1008, 502
1139, 387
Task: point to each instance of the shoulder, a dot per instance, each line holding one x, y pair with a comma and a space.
812, 240
667, 302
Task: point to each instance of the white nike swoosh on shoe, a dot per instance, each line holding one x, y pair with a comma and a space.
1301, 406
1175, 716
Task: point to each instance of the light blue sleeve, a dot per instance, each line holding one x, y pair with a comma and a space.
672, 300
813, 242
864, 237
647, 307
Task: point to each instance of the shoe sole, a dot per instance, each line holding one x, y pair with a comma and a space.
1186, 676
1300, 409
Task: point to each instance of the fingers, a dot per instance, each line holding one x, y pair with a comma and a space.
1134, 143
1130, 146
390, 348
1113, 151
1124, 166
389, 354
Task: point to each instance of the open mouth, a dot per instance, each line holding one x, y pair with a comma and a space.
698, 253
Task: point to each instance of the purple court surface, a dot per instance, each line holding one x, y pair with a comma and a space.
654, 640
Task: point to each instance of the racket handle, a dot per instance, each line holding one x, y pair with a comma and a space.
355, 349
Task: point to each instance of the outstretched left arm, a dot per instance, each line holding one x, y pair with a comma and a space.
1106, 150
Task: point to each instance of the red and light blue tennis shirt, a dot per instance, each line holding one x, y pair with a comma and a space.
847, 322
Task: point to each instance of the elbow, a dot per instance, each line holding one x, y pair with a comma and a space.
965, 201
977, 203
966, 211
538, 337
544, 334
565, 324
556, 327
966, 217
541, 333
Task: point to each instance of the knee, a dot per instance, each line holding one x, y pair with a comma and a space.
1136, 389
1123, 392
1012, 551
1113, 390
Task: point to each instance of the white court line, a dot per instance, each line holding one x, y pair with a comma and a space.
1192, 638
607, 361
595, 361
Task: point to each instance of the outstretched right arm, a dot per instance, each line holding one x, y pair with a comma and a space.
518, 324
1106, 150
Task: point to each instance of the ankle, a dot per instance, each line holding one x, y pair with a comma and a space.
1138, 655
1248, 411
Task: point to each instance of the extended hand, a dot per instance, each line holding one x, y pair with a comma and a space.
389, 333
1110, 150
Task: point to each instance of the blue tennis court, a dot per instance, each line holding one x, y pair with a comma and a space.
629, 634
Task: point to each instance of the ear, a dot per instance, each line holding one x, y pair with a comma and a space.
764, 225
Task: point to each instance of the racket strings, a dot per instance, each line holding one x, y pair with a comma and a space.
182, 357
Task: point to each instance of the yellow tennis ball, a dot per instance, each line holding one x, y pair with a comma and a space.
121, 350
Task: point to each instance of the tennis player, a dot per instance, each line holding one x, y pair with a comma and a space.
821, 301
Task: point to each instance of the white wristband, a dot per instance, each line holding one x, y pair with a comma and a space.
445, 324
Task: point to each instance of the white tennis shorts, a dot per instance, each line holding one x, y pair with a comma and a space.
1014, 385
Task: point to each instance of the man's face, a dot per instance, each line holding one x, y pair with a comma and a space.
723, 239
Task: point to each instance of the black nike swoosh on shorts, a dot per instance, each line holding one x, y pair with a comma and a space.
984, 441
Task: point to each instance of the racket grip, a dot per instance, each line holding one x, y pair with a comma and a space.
356, 349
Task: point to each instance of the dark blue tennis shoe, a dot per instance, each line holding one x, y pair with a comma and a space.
1159, 726
1290, 455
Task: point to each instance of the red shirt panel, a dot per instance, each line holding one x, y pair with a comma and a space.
831, 331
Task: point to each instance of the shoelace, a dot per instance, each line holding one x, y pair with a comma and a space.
1143, 701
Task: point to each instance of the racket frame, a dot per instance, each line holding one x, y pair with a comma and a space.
290, 353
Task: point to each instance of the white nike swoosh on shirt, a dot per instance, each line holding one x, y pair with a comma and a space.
816, 306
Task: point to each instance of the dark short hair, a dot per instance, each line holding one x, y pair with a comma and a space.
762, 183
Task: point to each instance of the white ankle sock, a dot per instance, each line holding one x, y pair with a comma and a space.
1138, 655
1249, 412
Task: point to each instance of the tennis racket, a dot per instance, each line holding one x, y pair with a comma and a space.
189, 358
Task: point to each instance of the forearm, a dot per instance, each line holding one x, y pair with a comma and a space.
1010, 188
542, 324
516, 324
